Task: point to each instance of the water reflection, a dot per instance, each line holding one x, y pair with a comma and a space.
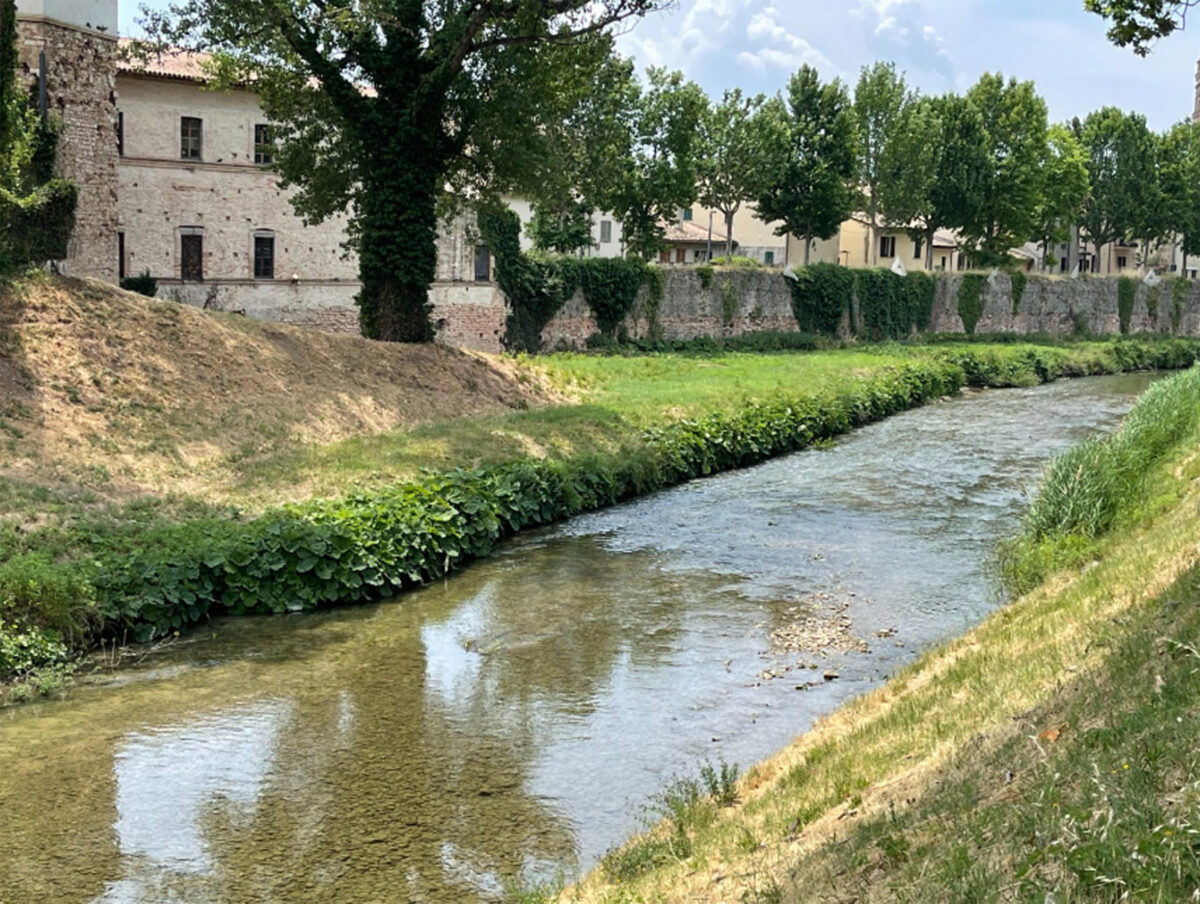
512, 720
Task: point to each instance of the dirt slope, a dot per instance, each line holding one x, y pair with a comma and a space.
108, 389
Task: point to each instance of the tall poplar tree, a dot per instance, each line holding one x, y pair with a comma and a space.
812, 191
385, 107
880, 99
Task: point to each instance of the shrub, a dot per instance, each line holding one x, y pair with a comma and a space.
821, 296
143, 283
705, 273
737, 260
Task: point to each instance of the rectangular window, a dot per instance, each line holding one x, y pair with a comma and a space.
264, 257
664, 256
768, 257
120, 134
605, 231
483, 264
687, 214
191, 257
916, 249
680, 256
887, 246
264, 144
943, 262
1120, 262
189, 138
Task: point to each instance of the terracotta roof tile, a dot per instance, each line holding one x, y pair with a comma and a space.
169, 63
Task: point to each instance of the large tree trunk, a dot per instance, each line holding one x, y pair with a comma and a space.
929, 249
729, 237
873, 232
397, 253
807, 245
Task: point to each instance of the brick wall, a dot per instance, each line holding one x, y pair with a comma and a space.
81, 90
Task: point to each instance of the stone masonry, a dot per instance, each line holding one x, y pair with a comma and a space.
81, 90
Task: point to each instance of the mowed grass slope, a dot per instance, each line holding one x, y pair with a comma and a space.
1049, 754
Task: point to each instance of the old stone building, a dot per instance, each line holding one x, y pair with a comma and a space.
174, 181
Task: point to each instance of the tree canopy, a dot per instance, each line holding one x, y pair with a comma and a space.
737, 146
1139, 23
384, 108
812, 191
881, 99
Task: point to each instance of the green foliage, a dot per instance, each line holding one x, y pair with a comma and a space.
999, 211
729, 302
761, 341
705, 273
720, 782
399, 113
737, 261
1126, 295
821, 296
812, 191
610, 287
46, 611
1153, 295
1140, 23
1180, 289
37, 226
881, 103
536, 287
970, 300
892, 306
656, 287
1088, 488
1065, 188
1019, 281
1122, 173
737, 146
143, 283
657, 172
565, 229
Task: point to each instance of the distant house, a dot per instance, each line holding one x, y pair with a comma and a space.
852, 247
688, 241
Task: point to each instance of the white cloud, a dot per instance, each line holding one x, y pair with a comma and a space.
791, 52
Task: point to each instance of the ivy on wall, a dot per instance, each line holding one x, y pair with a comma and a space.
1152, 299
1180, 288
821, 296
1126, 295
1018, 281
970, 300
538, 285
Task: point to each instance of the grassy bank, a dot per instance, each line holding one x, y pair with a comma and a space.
373, 509
1048, 754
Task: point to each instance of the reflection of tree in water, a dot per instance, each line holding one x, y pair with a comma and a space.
393, 766
551, 635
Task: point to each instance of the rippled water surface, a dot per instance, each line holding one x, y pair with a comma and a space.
512, 721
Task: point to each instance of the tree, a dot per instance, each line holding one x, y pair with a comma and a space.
737, 144
1064, 191
565, 228
1009, 184
1120, 155
656, 164
880, 99
930, 169
582, 140
1179, 181
1139, 23
812, 189
388, 107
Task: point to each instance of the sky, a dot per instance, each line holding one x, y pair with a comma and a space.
941, 45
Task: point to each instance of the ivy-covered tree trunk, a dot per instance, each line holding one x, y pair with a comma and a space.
397, 239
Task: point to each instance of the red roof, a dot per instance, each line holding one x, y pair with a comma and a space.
169, 62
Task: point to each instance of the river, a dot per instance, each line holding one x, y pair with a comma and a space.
512, 722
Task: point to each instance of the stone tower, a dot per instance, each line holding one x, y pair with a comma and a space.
1196, 109
76, 42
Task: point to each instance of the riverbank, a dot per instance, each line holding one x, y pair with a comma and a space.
140, 558
1047, 753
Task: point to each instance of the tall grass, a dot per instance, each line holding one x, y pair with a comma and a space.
1089, 488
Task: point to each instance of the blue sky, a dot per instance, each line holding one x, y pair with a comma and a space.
942, 45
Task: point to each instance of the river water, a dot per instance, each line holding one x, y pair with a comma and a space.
514, 721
